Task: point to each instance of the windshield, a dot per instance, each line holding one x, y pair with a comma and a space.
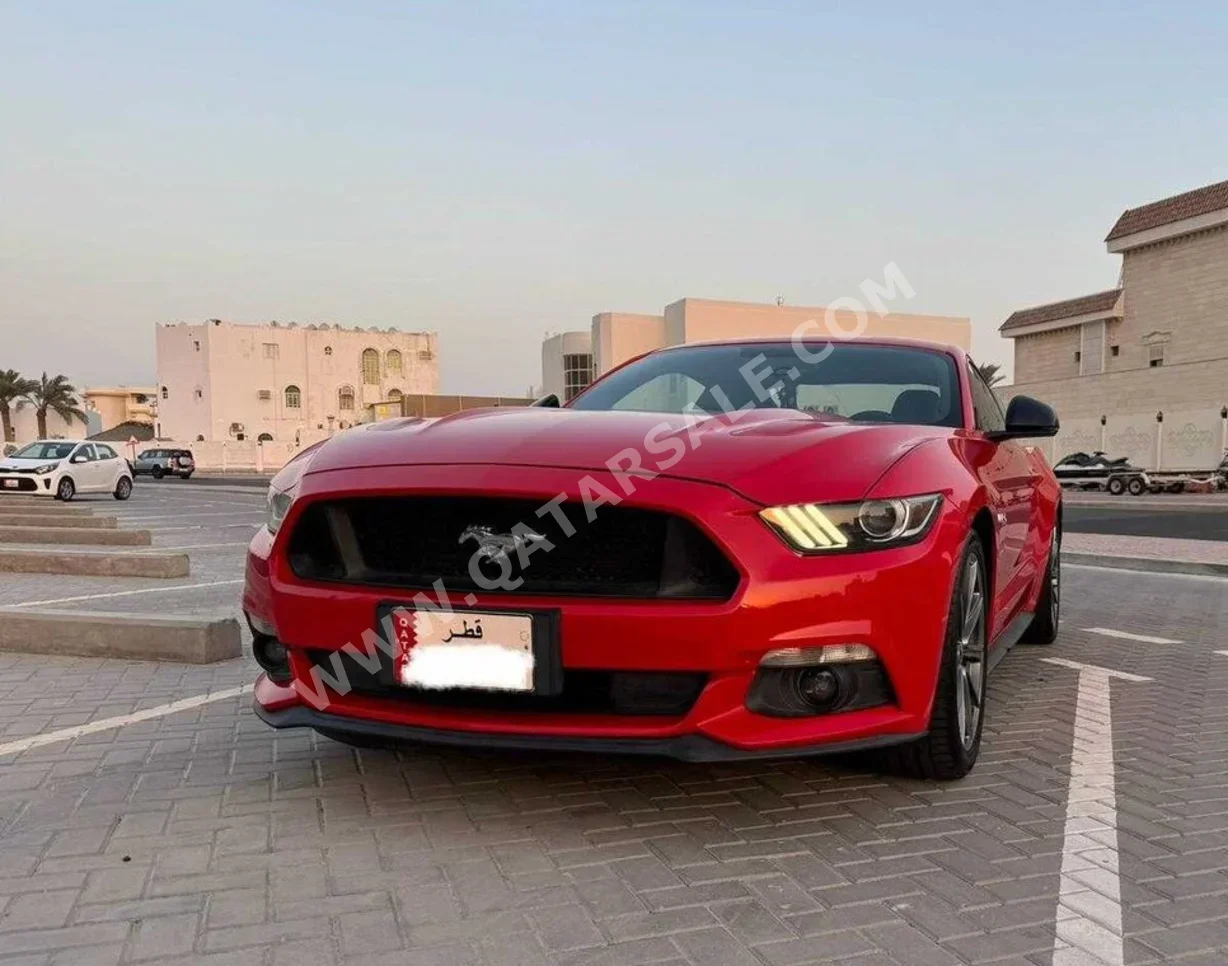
44, 451
858, 382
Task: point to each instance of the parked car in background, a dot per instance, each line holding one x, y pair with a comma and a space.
62, 468
165, 462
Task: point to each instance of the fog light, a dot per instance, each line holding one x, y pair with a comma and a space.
270, 654
819, 687
810, 656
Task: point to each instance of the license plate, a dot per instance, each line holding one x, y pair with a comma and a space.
471, 649
12, 484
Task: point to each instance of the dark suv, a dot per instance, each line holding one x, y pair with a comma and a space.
165, 462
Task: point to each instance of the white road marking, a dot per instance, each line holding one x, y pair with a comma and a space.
1222, 653
1127, 636
125, 593
213, 526
192, 546
105, 724
1089, 892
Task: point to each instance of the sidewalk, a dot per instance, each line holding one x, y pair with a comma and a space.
1162, 554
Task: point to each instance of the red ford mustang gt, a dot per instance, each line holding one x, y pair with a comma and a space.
738, 549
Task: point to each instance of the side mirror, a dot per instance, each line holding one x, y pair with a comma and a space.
550, 401
1027, 417
79, 458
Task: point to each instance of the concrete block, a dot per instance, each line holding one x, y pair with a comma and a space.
142, 637
32, 518
94, 563
76, 535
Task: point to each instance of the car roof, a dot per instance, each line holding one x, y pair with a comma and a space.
66, 442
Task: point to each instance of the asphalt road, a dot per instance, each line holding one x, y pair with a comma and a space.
1204, 522
1094, 830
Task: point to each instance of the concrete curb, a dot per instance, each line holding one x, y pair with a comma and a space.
186, 640
75, 535
94, 563
12, 519
1151, 565
15, 504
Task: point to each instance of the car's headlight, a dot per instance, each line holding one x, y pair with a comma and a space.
46, 468
866, 525
278, 506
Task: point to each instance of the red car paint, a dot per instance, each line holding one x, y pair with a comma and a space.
896, 600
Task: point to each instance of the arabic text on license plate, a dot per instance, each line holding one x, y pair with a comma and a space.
12, 483
492, 652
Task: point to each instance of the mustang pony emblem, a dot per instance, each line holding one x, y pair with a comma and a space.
496, 546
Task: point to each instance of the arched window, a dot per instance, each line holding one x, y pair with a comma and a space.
370, 367
264, 438
345, 398
395, 395
328, 350
392, 362
294, 398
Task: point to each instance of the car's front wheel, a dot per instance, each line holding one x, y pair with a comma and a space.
66, 490
1043, 629
157, 472
123, 489
950, 747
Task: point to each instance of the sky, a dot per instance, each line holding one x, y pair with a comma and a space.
498, 171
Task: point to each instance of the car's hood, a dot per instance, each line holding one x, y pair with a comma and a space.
8, 463
768, 455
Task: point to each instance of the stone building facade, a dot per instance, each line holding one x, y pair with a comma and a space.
1141, 370
282, 382
615, 337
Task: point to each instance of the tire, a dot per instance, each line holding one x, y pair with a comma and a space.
66, 489
123, 488
1044, 626
1116, 486
157, 472
951, 746
185, 476
356, 739
1136, 487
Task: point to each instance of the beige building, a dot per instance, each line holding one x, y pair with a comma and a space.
615, 337
282, 382
1141, 370
120, 404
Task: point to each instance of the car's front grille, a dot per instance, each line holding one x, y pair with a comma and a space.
416, 541
23, 483
663, 693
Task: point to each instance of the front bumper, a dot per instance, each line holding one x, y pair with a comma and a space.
27, 484
687, 747
895, 601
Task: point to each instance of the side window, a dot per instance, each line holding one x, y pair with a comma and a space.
989, 415
104, 452
86, 450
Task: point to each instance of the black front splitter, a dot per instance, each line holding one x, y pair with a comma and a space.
682, 747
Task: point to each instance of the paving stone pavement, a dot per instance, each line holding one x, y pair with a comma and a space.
204, 837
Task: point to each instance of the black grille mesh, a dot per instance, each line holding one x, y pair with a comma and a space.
415, 541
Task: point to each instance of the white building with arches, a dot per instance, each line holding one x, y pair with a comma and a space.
282, 381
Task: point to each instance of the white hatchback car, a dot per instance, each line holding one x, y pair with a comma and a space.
62, 468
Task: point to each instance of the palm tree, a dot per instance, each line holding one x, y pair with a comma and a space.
990, 372
56, 394
12, 388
